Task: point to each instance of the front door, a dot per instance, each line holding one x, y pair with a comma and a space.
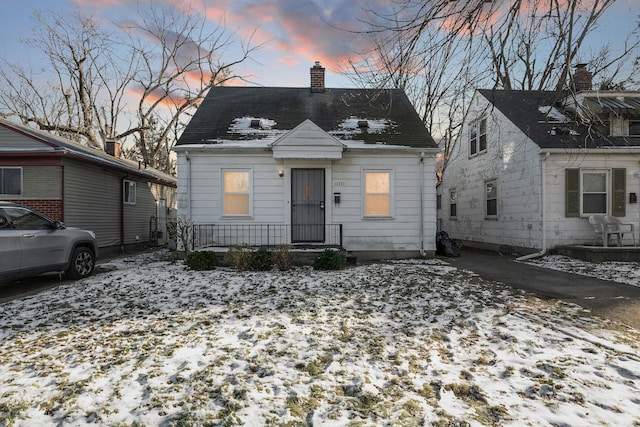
307, 205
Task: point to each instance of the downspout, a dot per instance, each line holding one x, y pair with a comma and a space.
422, 251
122, 212
186, 156
543, 249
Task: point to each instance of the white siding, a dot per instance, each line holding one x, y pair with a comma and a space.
400, 233
271, 195
514, 161
570, 231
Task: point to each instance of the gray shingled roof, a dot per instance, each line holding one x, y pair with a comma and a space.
529, 111
285, 108
70, 148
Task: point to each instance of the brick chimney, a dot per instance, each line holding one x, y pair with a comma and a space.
582, 78
112, 147
317, 78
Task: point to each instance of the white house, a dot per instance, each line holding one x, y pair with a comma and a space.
529, 167
353, 168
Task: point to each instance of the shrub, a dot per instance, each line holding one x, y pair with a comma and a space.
239, 256
330, 260
201, 260
261, 260
282, 258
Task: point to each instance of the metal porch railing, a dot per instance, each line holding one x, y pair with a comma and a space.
265, 235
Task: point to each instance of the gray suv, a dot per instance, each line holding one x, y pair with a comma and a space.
32, 244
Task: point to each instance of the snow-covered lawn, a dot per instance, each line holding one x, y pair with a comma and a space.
392, 344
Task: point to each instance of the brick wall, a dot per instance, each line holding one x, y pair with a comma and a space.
51, 208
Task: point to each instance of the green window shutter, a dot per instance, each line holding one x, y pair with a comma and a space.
618, 195
572, 193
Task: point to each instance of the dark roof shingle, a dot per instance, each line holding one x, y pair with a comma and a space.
288, 107
528, 110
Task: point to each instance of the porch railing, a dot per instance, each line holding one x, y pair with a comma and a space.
265, 235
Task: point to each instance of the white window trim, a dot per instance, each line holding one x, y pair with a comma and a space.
486, 198
476, 141
222, 193
392, 203
608, 189
124, 193
453, 191
21, 181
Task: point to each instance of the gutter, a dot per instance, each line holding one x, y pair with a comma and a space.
543, 248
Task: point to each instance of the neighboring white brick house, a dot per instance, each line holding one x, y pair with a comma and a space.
585, 145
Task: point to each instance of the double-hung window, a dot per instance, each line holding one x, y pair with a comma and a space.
478, 136
378, 201
453, 203
129, 192
10, 181
492, 198
236, 192
595, 191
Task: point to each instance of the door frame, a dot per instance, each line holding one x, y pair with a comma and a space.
313, 231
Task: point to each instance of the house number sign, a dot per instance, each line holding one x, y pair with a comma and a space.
339, 183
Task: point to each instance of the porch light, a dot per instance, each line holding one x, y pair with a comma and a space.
280, 173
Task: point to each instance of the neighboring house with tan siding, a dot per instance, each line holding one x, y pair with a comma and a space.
123, 202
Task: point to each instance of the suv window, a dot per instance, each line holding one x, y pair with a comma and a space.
24, 219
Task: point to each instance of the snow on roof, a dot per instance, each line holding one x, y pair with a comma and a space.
254, 127
553, 114
259, 132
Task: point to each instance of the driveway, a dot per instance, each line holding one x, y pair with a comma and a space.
603, 298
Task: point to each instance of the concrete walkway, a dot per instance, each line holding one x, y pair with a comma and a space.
603, 298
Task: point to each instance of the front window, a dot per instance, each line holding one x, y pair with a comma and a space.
478, 136
130, 192
492, 198
377, 193
10, 181
594, 192
237, 195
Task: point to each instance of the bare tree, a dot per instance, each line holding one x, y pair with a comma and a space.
136, 79
180, 62
440, 51
79, 93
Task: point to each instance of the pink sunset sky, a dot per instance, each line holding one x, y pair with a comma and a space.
294, 33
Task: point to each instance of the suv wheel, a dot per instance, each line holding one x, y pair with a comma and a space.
82, 263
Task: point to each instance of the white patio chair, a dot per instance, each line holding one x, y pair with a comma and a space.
602, 230
614, 224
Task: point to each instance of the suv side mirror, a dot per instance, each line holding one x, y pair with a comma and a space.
57, 225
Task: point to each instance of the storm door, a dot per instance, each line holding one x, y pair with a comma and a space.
307, 205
